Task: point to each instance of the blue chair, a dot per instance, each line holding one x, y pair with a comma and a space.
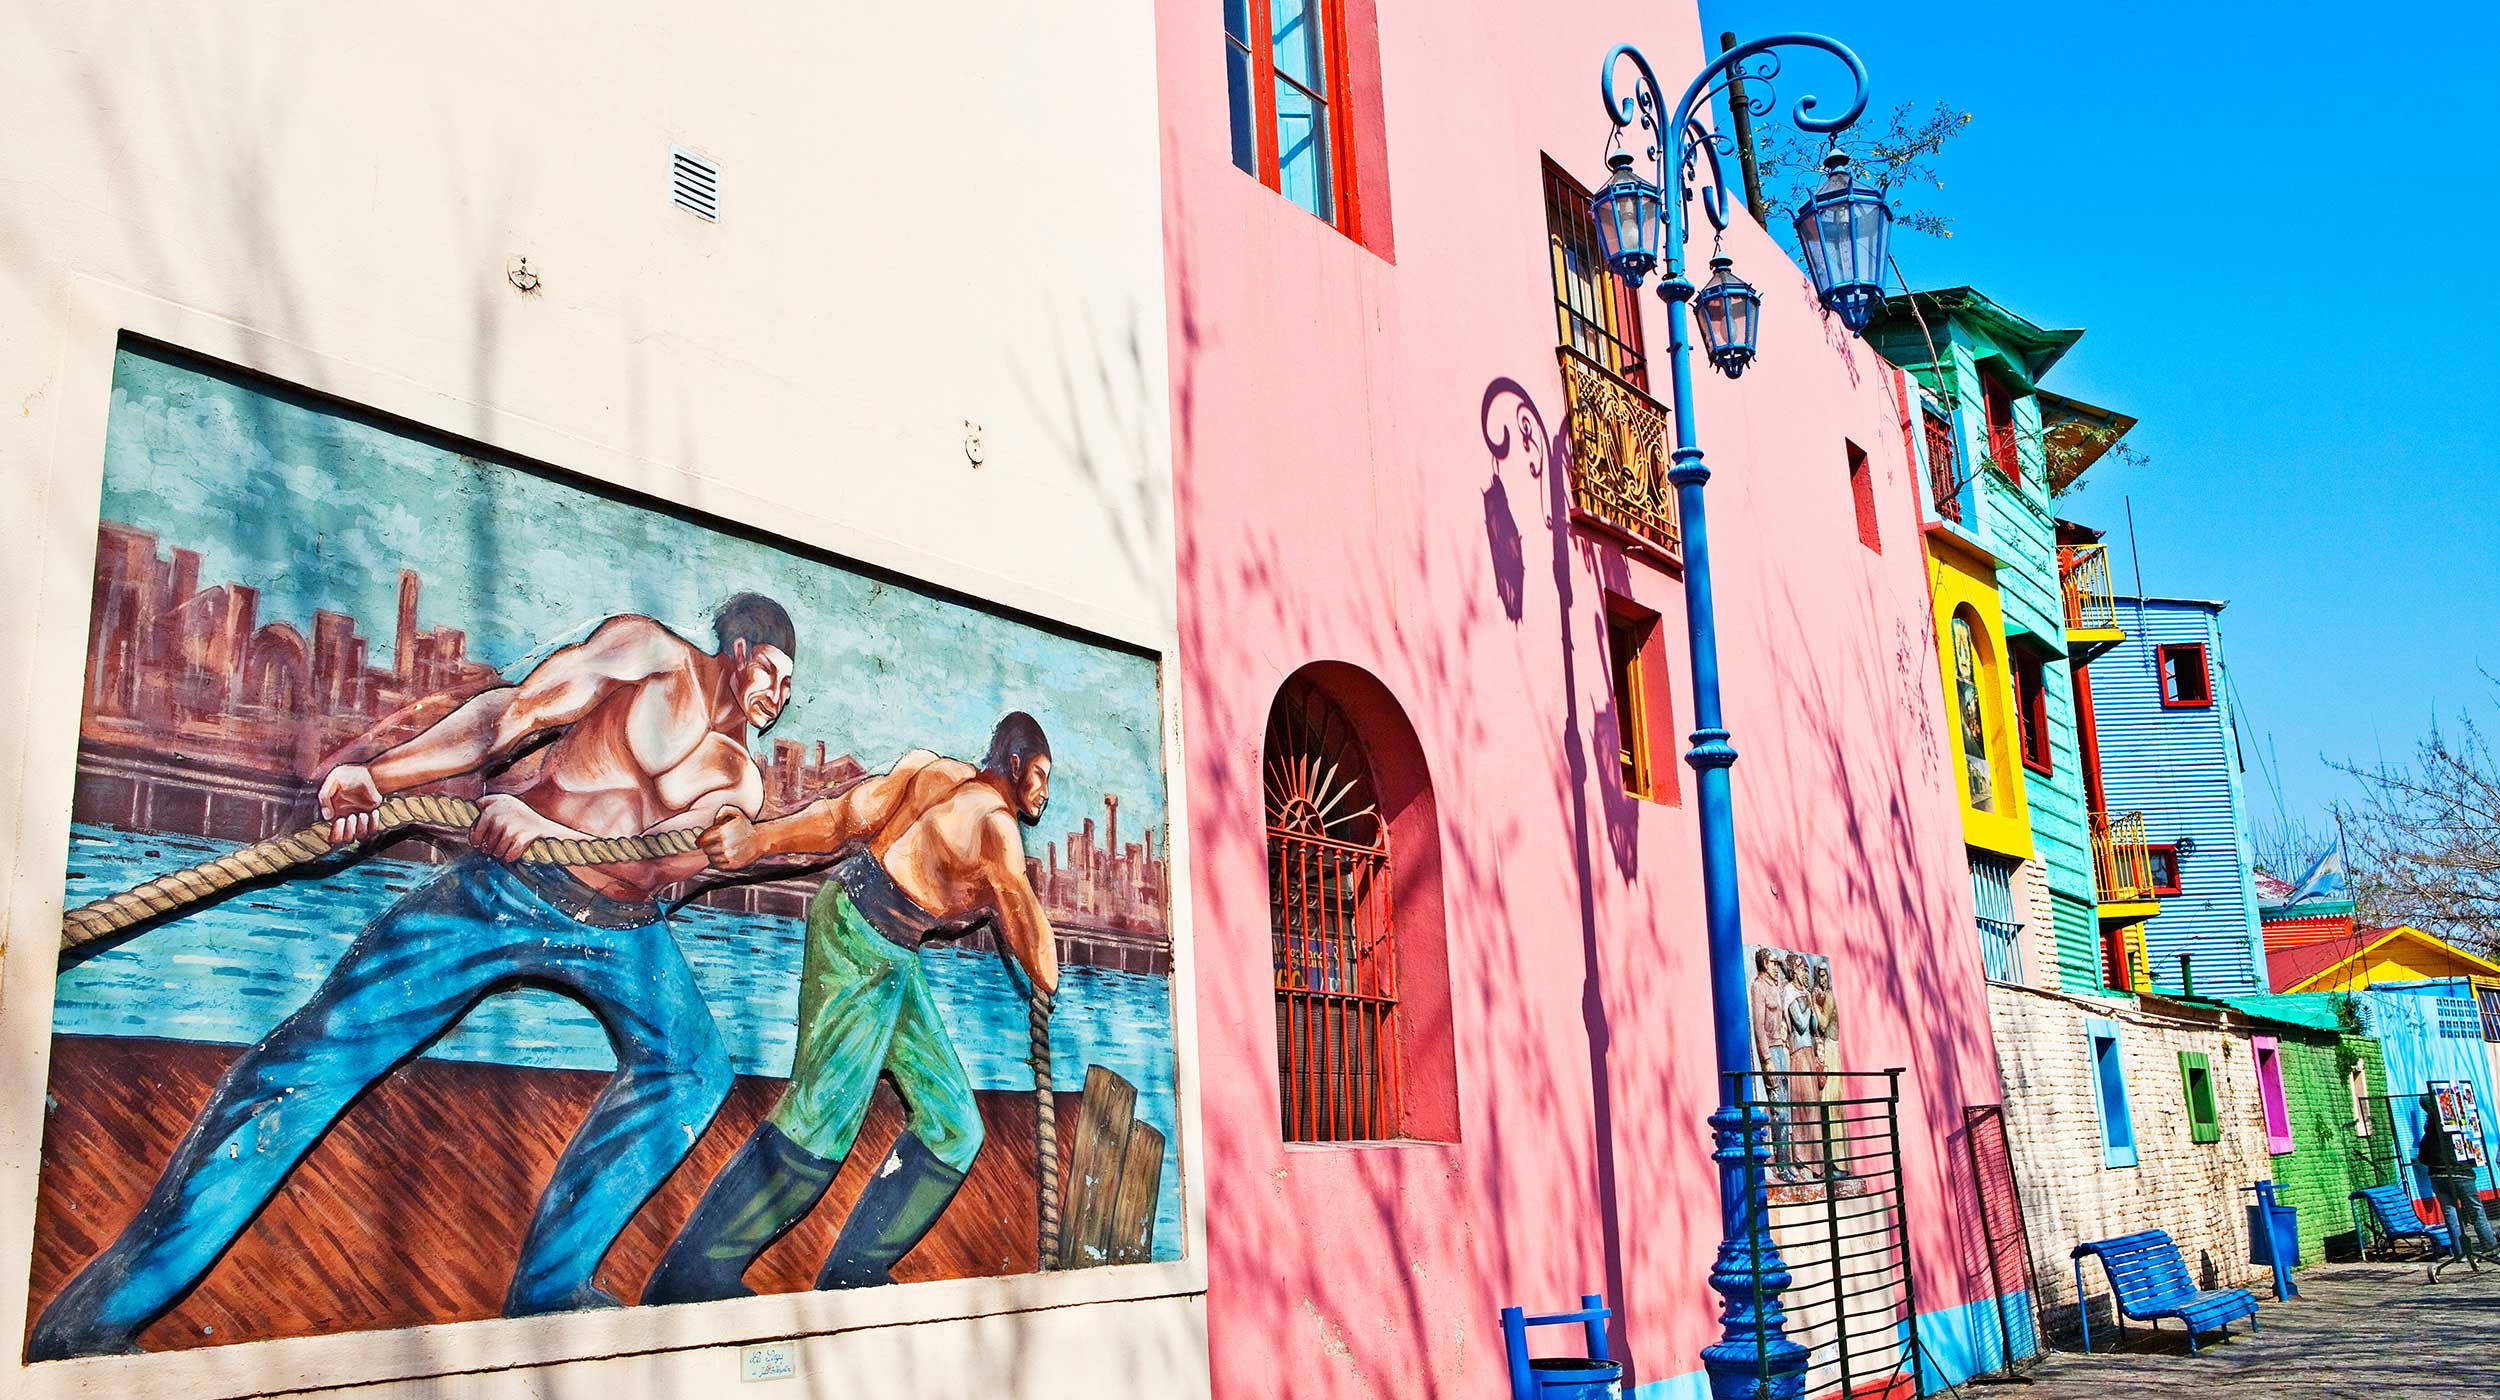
2150, 1282
2397, 1220
1595, 1376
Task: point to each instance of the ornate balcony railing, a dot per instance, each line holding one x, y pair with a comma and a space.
2083, 572
1618, 456
2122, 861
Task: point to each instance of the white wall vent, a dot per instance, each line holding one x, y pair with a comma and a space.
693, 183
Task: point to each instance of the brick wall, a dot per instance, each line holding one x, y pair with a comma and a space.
2329, 1159
2190, 1189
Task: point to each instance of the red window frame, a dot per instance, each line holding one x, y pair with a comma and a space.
1944, 464
2173, 696
1862, 497
2002, 448
1333, 927
2163, 860
2115, 974
1636, 656
1344, 203
2031, 709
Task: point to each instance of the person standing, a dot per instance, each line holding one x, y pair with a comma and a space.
931, 849
1770, 1049
2452, 1181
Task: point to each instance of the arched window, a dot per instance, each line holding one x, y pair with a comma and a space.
1974, 681
1334, 932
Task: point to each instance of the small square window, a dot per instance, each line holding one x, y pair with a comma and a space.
2186, 681
2031, 710
1862, 497
2164, 861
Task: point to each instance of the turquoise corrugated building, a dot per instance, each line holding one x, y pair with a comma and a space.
1994, 448
2162, 709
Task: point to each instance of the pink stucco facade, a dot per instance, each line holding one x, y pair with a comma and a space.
1364, 475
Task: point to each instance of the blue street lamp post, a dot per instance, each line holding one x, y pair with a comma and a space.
1844, 229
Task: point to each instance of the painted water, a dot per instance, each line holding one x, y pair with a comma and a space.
228, 973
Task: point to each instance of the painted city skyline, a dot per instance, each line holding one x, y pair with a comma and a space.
266, 488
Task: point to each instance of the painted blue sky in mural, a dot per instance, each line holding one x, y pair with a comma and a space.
320, 509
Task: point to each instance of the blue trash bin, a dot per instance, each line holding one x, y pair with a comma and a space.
2284, 1238
1576, 1378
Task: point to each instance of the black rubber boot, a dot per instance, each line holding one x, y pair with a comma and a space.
769, 1186
906, 1196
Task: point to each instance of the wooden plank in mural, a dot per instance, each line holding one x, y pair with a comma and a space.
1102, 1129
1133, 1210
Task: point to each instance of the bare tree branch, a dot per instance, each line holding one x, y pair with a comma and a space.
2425, 837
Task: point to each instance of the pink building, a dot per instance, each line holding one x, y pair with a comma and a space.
1458, 1055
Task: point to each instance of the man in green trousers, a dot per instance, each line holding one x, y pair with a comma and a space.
934, 849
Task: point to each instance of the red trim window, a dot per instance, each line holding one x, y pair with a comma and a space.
2115, 974
1944, 465
1330, 923
1862, 496
2187, 681
2031, 708
1999, 398
1285, 81
2164, 861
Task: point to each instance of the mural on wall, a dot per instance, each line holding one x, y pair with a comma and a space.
1795, 1016
1974, 722
552, 953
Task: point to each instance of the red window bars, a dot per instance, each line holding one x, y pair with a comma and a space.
1329, 915
2002, 449
1944, 465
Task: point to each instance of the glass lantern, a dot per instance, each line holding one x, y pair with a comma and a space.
1845, 230
1626, 211
1730, 313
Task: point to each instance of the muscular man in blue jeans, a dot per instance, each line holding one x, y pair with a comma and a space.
651, 737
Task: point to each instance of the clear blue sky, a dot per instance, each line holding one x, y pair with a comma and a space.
2281, 226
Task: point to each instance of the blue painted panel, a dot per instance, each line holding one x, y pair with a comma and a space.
2181, 768
2406, 1019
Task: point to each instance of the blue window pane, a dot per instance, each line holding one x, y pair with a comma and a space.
1296, 33
1245, 123
1237, 21
1302, 150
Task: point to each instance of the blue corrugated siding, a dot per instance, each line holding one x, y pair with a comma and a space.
2180, 768
1992, 889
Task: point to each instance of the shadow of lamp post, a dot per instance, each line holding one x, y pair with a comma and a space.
1844, 229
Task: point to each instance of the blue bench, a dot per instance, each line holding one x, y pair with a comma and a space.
2150, 1282
2397, 1220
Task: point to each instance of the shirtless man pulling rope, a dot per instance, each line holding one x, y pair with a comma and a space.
651, 747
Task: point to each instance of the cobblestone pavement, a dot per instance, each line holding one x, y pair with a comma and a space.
2357, 1332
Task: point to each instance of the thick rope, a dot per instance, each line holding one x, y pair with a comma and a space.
166, 893
1045, 1130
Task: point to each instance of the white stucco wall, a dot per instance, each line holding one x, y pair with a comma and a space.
933, 216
